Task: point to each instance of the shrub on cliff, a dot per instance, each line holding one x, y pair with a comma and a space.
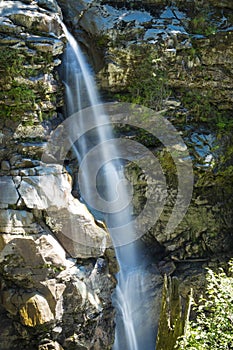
213, 327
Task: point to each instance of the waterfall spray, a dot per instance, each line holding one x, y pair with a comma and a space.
134, 326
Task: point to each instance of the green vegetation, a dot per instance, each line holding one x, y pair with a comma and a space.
101, 41
202, 22
201, 106
11, 62
16, 62
18, 100
147, 83
201, 25
224, 123
19, 93
213, 327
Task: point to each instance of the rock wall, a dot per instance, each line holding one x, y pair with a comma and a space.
55, 286
177, 58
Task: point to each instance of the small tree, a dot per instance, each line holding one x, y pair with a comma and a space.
213, 327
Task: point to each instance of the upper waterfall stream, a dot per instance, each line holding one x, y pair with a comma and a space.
95, 149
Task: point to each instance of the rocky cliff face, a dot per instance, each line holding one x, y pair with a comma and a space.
55, 289
177, 58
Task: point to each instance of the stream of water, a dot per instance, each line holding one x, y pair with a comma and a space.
134, 329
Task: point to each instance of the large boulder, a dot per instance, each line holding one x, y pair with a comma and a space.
41, 287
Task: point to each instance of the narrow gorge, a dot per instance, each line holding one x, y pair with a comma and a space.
164, 73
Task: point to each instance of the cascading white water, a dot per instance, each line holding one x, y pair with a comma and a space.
134, 328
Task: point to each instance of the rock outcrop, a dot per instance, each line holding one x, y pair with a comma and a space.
54, 293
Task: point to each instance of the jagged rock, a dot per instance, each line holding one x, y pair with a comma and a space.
30, 46
17, 222
50, 5
26, 163
76, 230
93, 295
8, 192
26, 261
32, 149
53, 293
51, 251
66, 216
30, 17
47, 344
39, 286
30, 262
47, 45
30, 131
36, 311
36, 253
44, 192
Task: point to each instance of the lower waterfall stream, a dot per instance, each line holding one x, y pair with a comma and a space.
134, 326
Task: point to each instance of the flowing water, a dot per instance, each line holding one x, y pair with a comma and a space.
134, 326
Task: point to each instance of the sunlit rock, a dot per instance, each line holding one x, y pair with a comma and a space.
17, 221
30, 17
49, 345
66, 216
77, 231
36, 311
53, 293
44, 192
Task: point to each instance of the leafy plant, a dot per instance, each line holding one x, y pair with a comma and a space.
213, 327
199, 104
147, 82
18, 100
201, 25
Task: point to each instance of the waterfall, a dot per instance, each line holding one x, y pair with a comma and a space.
134, 325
